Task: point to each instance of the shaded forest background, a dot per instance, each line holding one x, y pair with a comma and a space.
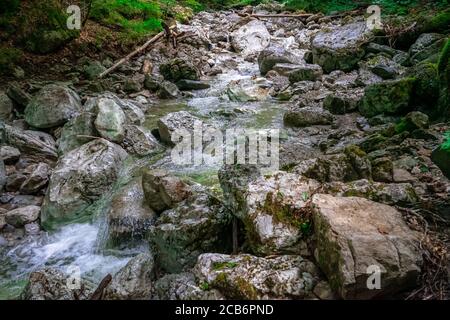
39, 27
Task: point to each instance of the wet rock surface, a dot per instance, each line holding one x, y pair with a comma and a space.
87, 175
353, 234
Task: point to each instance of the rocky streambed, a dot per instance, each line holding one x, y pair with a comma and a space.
90, 187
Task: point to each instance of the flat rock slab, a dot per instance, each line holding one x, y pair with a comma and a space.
354, 235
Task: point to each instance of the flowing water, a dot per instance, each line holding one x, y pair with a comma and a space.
82, 244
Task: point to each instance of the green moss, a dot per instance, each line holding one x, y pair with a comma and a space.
438, 22
354, 149
388, 97
286, 213
426, 87
444, 81
204, 286
8, 58
224, 265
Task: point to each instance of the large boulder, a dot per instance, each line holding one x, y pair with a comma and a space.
251, 38
34, 143
46, 41
388, 97
426, 88
270, 208
110, 120
426, 47
134, 111
196, 225
307, 116
128, 217
80, 177
133, 281
356, 237
341, 48
77, 132
52, 106
273, 55
53, 284
248, 277
178, 69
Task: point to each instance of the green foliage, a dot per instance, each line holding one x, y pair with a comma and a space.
224, 265
320, 5
399, 7
134, 16
204, 286
438, 22
446, 144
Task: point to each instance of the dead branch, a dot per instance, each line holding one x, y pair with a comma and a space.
296, 16
135, 52
98, 293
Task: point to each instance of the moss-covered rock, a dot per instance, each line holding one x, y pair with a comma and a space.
412, 121
444, 81
52, 106
437, 22
245, 276
76, 132
390, 97
272, 209
354, 233
307, 72
93, 69
178, 69
196, 225
426, 48
426, 88
341, 48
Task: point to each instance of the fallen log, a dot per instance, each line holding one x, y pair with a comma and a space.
298, 16
135, 52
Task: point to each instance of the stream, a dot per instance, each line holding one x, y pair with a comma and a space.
83, 244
